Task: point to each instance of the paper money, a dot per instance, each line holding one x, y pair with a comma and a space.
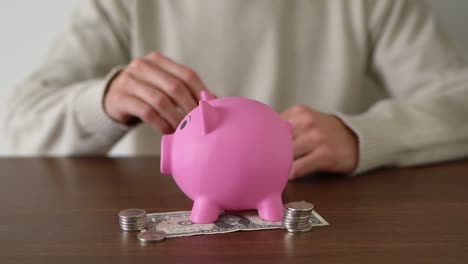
178, 224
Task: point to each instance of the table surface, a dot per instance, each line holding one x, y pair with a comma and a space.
65, 211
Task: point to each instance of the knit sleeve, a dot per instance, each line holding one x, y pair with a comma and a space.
426, 118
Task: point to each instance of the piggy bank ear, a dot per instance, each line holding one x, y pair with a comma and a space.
206, 96
210, 117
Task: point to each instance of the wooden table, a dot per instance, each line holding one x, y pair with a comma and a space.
65, 211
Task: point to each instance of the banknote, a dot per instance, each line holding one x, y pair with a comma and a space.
178, 224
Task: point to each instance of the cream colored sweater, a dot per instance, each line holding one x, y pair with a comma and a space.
383, 67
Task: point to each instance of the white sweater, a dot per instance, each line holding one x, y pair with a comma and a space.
384, 67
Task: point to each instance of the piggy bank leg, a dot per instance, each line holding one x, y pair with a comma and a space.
271, 209
204, 212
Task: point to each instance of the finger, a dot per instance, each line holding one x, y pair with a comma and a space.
305, 165
156, 99
187, 75
286, 114
300, 117
297, 127
173, 87
293, 111
140, 109
304, 144
301, 123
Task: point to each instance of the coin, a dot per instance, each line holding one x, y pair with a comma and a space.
126, 228
301, 217
298, 213
133, 222
131, 229
296, 226
292, 221
140, 222
299, 206
296, 223
290, 210
132, 214
133, 226
299, 230
151, 236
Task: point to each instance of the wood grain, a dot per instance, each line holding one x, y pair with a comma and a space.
65, 211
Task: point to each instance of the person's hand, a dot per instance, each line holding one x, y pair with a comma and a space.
321, 142
154, 89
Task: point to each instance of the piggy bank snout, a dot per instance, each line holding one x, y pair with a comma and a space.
166, 154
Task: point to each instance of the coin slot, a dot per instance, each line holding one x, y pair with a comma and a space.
185, 122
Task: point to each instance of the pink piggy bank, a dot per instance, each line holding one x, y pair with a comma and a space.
230, 154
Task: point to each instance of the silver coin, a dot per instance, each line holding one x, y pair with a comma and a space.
140, 217
133, 226
305, 217
301, 215
131, 229
151, 236
132, 219
299, 230
296, 219
299, 206
126, 228
133, 222
132, 214
292, 220
296, 223
302, 226
296, 227
297, 211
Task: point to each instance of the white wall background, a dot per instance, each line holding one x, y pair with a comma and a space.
27, 28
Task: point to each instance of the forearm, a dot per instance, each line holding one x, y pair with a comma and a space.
416, 131
49, 119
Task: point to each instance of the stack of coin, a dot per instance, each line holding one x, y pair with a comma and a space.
296, 218
132, 219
